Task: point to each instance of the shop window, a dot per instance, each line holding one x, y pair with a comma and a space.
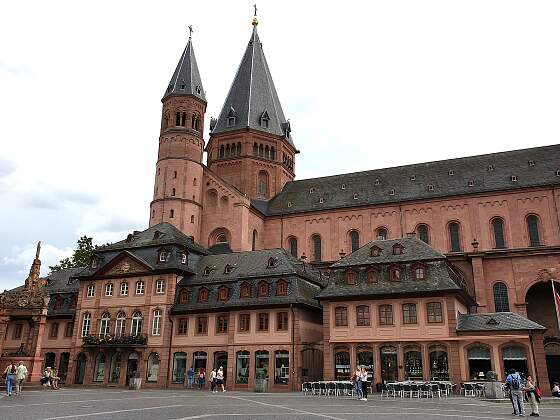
281, 367
242, 367
179, 367
152, 371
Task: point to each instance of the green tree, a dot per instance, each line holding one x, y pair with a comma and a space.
80, 257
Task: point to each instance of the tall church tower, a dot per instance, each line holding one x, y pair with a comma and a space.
250, 143
178, 180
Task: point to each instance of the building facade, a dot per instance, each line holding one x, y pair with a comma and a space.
245, 267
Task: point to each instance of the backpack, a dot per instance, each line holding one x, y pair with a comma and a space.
515, 385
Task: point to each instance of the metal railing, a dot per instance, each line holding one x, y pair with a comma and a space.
109, 340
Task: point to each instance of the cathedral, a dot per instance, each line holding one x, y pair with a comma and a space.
434, 271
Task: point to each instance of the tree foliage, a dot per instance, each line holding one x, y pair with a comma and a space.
80, 257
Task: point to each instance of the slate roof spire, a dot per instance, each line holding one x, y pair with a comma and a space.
186, 78
252, 97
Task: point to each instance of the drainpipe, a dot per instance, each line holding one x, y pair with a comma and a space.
169, 357
293, 348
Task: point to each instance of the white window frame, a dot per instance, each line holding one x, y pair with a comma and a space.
104, 325
136, 324
160, 287
109, 289
184, 258
90, 291
163, 256
86, 324
120, 325
140, 287
156, 322
124, 288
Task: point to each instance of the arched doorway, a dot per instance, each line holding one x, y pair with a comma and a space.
552, 352
388, 363
342, 364
63, 366
413, 363
50, 360
80, 368
540, 306
515, 357
132, 366
311, 365
364, 358
220, 359
480, 362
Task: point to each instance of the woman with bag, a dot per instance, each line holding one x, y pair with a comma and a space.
534, 395
201, 378
10, 375
358, 381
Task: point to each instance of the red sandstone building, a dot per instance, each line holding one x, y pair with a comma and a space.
434, 270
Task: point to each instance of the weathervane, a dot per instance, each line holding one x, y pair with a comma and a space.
255, 21
255, 7
190, 31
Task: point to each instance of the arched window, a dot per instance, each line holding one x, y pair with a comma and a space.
120, 325
262, 184
454, 239
86, 324
351, 276
136, 327
179, 367
152, 372
362, 316
316, 241
203, 295
255, 149
263, 289
501, 299
533, 229
223, 293
124, 288
172, 192
227, 150
156, 322
498, 230
104, 324
381, 234
340, 316
354, 240
261, 150
109, 289
222, 151
395, 273
292, 242
281, 288
245, 291
183, 297
423, 233
418, 271
99, 371
372, 275
254, 243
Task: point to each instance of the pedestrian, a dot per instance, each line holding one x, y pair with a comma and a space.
54, 378
213, 380
21, 375
220, 378
515, 384
201, 378
533, 394
358, 383
190, 377
556, 390
10, 376
46, 379
364, 383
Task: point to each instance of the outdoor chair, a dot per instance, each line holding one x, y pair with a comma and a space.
425, 390
469, 390
331, 388
479, 389
414, 389
384, 390
349, 388
398, 390
434, 388
391, 389
315, 388
322, 388
306, 387
406, 390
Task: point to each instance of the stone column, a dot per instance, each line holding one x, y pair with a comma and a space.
400, 362
376, 364
479, 283
353, 359
454, 362
35, 348
425, 362
4, 321
541, 372
497, 362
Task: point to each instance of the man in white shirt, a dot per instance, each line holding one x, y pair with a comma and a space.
21, 375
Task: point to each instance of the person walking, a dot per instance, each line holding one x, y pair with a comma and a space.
54, 378
364, 383
556, 390
515, 385
10, 375
21, 376
358, 383
220, 378
46, 380
201, 378
190, 377
213, 380
533, 396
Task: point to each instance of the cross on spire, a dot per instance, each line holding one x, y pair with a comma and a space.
190, 31
255, 7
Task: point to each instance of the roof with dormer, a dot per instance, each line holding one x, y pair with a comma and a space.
498, 321
252, 96
186, 79
534, 167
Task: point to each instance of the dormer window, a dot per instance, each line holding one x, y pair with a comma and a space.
223, 293
413, 177
471, 183
343, 186
451, 172
372, 275
207, 271
531, 163
392, 192
227, 269
375, 251
263, 289
377, 181
351, 277
557, 172
183, 297
163, 256
94, 262
198, 89
183, 85
203, 295
184, 258
419, 272
398, 249
321, 200
231, 119
290, 204
355, 196
430, 187
264, 119
514, 178
245, 291
282, 288
271, 262
311, 190
395, 273
490, 168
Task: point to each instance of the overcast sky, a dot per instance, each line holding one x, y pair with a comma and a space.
365, 85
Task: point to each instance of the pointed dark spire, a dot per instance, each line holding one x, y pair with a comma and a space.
252, 101
186, 78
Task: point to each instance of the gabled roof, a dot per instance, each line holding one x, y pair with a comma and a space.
498, 321
413, 250
251, 94
532, 167
186, 78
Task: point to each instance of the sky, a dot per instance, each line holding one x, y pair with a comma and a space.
365, 85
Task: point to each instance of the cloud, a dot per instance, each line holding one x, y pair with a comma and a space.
18, 70
49, 197
6, 167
